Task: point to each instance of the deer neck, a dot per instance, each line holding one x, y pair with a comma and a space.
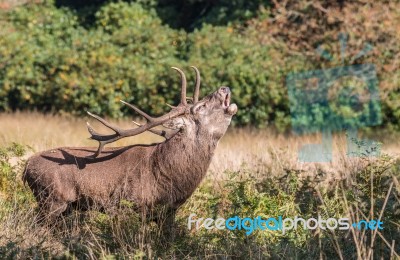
182, 162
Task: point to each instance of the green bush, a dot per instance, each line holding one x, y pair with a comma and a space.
61, 66
234, 59
50, 60
67, 68
12, 190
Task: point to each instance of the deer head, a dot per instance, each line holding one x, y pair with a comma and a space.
210, 116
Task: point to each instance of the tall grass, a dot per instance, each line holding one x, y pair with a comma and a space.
254, 173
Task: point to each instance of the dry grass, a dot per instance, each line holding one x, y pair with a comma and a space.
257, 150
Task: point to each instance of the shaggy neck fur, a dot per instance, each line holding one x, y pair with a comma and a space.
180, 164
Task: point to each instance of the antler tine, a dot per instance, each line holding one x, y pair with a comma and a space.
163, 133
170, 106
196, 92
183, 86
149, 118
121, 133
102, 139
104, 122
154, 131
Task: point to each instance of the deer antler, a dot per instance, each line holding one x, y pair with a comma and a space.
196, 92
183, 86
163, 133
151, 121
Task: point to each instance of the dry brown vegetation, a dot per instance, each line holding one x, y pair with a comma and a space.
247, 166
249, 148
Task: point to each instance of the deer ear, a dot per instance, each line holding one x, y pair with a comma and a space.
197, 108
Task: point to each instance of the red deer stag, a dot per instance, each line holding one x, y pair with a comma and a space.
163, 174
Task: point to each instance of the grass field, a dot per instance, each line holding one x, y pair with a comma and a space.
254, 172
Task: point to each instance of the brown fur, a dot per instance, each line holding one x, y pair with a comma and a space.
148, 175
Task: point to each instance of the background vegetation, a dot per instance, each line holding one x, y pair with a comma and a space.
72, 56
64, 57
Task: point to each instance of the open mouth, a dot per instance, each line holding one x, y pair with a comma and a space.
227, 100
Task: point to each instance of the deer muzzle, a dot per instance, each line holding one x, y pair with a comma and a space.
230, 109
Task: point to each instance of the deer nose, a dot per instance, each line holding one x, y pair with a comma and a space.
225, 90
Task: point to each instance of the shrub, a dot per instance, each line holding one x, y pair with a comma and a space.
12, 190
59, 67
235, 59
50, 60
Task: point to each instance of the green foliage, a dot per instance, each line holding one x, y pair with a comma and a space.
225, 11
236, 60
194, 13
12, 189
245, 195
58, 67
123, 234
52, 58
51, 63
